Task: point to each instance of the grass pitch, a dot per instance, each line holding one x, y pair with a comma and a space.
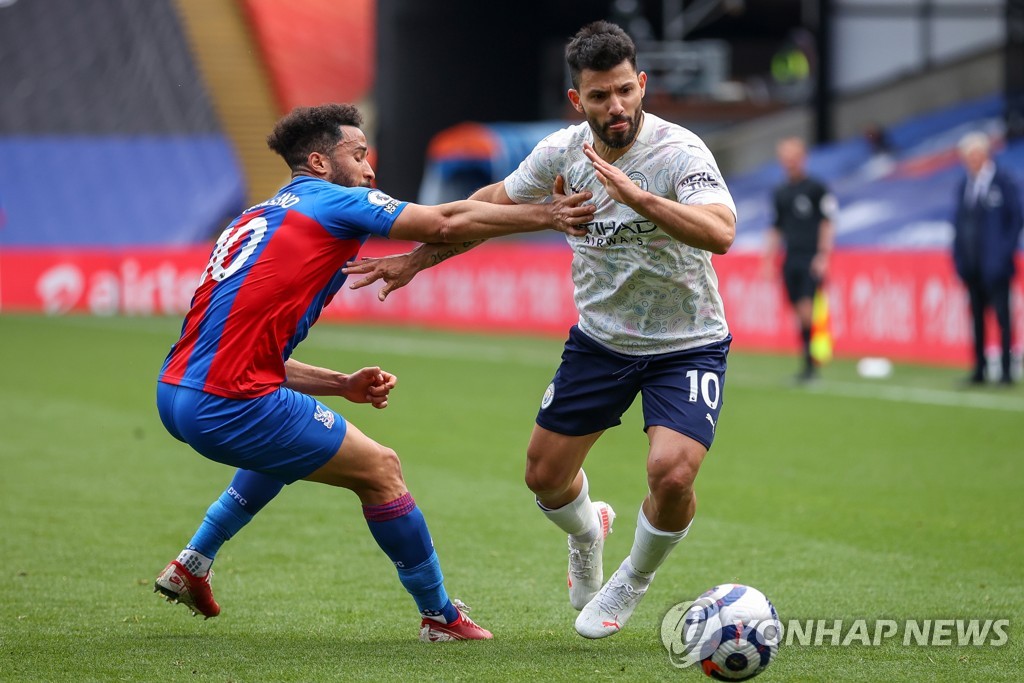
855, 499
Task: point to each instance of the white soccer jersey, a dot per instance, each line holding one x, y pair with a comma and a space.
638, 290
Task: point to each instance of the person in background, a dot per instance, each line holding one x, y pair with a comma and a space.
882, 160
803, 225
987, 226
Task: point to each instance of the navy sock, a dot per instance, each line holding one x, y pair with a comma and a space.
401, 532
248, 493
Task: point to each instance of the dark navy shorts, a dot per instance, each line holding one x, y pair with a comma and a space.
594, 386
285, 434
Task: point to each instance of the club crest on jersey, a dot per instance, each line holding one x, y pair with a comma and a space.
324, 415
378, 198
549, 396
639, 179
802, 205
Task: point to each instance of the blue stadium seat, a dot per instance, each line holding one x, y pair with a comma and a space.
107, 133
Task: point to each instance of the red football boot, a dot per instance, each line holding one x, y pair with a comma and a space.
178, 584
463, 628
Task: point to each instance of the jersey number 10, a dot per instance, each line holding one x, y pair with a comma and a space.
254, 229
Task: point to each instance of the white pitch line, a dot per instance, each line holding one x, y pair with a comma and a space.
935, 397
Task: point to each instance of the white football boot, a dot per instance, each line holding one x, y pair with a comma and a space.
586, 572
613, 605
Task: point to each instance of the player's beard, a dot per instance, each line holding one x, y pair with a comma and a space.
617, 140
347, 180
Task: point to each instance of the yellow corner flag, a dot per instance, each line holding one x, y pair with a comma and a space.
821, 334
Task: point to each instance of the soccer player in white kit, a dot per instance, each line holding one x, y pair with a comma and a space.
651, 321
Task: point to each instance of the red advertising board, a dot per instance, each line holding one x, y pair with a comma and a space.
100, 281
899, 305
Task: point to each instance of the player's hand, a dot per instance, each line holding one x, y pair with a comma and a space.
369, 385
569, 211
819, 266
396, 271
616, 183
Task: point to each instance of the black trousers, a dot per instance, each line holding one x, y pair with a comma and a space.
997, 297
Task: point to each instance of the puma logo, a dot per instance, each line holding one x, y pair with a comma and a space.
712, 421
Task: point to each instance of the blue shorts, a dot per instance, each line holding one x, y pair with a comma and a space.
594, 386
285, 434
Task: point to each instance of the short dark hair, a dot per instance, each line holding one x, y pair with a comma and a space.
311, 129
598, 46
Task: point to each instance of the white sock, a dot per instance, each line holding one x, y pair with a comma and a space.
578, 518
651, 546
194, 561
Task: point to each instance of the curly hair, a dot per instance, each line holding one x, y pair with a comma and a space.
311, 129
598, 46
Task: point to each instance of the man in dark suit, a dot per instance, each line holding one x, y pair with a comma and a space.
987, 226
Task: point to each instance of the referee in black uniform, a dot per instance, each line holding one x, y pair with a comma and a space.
804, 209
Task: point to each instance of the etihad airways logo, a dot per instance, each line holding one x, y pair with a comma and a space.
609, 233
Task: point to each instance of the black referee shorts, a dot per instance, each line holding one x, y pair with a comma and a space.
800, 283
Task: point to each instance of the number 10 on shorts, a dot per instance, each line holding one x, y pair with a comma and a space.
706, 385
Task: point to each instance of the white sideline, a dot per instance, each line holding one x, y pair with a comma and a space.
934, 397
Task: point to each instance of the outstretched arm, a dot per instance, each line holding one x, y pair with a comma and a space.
429, 255
711, 227
399, 270
471, 219
368, 385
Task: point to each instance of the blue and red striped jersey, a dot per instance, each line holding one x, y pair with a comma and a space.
271, 273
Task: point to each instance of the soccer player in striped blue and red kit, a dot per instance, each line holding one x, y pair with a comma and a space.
230, 389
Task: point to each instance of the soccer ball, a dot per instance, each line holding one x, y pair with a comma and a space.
732, 632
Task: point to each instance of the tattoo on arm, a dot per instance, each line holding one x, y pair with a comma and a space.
452, 250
